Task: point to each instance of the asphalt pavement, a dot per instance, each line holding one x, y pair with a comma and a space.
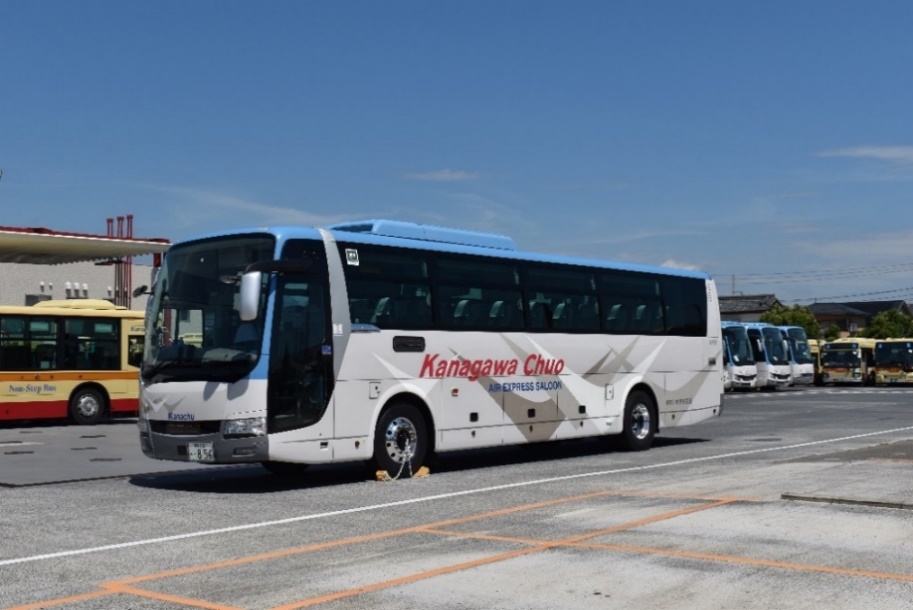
41, 453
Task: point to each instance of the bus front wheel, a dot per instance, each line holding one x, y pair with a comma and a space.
87, 407
401, 440
639, 422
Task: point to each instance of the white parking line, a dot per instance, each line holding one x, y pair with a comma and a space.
362, 509
817, 391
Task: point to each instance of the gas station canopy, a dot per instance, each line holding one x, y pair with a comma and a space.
43, 246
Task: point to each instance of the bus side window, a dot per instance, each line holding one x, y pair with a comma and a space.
616, 321
16, 358
588, 316
135, 350
540, 316
45, 356
72, 353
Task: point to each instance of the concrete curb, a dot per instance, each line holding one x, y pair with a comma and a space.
848, 501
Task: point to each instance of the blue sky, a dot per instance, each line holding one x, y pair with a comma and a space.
770, 141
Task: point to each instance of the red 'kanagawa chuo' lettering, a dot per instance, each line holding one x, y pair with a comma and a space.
434, 366
472, 369
537, 365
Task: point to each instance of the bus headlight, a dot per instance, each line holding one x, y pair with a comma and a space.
143, 424
253, 426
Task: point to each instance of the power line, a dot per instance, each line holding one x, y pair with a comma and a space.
816, 278
844, 271
906, 291
794, 277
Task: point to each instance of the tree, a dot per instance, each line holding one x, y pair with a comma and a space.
890, 324
831, 332
797, 315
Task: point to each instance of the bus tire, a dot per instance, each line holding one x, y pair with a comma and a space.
639, 425
285, 469
400, 440
87, 406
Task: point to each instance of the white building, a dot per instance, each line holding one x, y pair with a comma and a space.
26, 284
38, 264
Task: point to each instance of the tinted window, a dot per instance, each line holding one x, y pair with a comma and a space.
562, 298
402, 288
686, 306
632, 303
28, 344
91, 344
387, 287
475, 293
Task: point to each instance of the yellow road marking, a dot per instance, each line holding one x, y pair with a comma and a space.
123, 586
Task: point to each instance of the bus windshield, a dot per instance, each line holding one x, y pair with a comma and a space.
798, 342
739, 345
841, 357
773, 345
894, 353
193, 329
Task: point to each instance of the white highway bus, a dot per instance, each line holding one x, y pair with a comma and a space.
771, 354
801, 361
741, 372
387, 341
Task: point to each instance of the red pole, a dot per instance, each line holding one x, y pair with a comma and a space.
128, 267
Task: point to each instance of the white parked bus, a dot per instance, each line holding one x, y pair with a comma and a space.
740, 370
801, 361
387, 341
771, 354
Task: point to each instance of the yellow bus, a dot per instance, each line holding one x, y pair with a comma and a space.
814, 347
894, 361
77, 358
848, 360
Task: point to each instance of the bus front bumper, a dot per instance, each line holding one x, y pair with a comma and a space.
204, 448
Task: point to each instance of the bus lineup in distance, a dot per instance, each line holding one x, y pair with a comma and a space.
801, 361
849, 360
387, 341
771, 354
74, 358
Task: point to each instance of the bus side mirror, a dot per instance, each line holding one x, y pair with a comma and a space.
249, 305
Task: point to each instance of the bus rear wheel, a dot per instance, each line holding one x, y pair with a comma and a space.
87, 407
639, 422
400, 440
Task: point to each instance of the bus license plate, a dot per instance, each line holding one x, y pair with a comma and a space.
200, 452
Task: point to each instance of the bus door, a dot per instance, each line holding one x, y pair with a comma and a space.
301, 357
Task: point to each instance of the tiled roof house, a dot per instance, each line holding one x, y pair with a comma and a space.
854, 316
746, 308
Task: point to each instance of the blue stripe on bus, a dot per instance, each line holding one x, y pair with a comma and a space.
283, 233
